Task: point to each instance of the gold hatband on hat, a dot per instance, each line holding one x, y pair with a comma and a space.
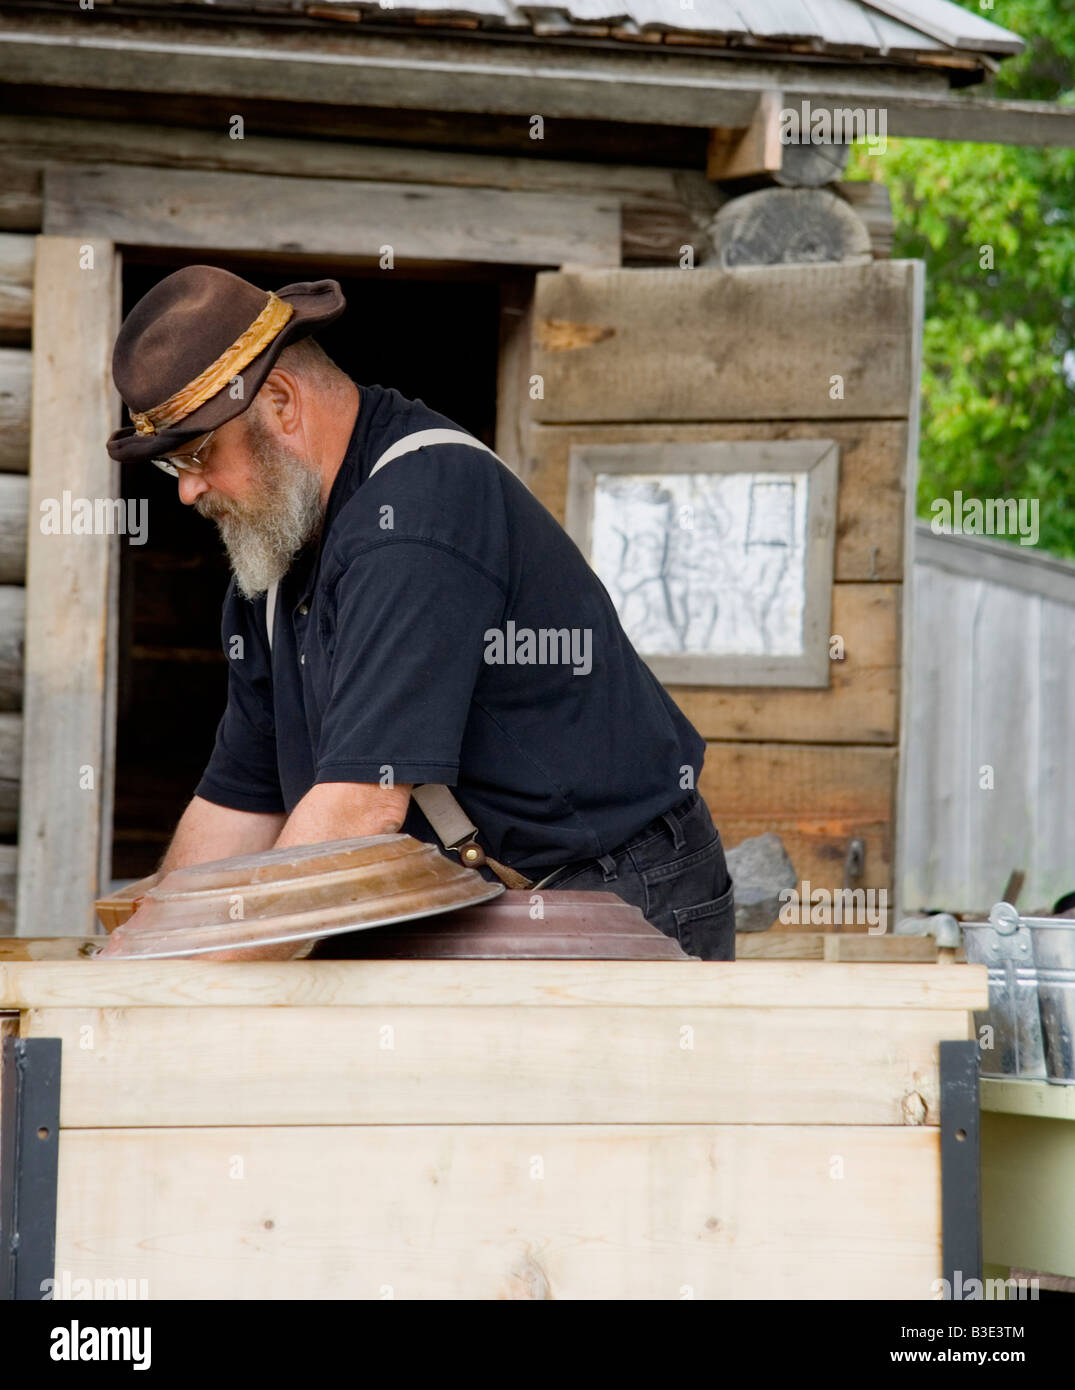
218, 374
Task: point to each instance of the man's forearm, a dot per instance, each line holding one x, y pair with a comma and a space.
344, 810
207, 831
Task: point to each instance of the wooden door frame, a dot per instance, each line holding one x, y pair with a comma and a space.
72, 588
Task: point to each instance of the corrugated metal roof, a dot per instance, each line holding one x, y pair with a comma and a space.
897, 30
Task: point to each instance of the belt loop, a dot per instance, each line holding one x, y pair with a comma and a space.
608, 866
678, 837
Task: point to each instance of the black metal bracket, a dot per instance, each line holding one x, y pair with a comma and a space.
29, 1154
961, 1171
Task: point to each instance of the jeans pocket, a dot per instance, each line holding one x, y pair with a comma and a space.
707, 930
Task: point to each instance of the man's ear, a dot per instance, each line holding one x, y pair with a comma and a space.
280, 392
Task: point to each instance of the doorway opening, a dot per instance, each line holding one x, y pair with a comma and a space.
431, 332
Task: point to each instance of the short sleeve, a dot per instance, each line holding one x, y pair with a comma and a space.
242, 771
407, 652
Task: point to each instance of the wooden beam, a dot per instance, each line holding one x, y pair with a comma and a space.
815, 945
16, 286
513, 370
420, 72
27, 143
417, 72
12, 641
20, 197
489, 984
824, 342
8, 859
69, 719
237, 212
16, 366
14, 492
737, 154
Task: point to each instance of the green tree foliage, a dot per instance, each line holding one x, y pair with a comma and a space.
995, 225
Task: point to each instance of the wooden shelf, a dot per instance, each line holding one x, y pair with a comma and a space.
1037, 1098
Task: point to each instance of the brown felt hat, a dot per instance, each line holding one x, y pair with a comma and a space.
184, 343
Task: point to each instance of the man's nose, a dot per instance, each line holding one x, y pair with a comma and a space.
191, 487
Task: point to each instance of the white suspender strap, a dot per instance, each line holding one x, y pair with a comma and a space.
420, 438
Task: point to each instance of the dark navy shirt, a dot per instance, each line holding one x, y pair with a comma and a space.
445, 628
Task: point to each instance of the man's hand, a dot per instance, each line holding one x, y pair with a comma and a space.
328, 811
344, 810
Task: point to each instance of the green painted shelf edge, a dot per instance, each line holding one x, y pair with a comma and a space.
1035, 1098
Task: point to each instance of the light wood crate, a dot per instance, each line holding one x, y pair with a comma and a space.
492, 1130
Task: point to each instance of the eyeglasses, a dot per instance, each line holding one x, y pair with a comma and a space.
175, 464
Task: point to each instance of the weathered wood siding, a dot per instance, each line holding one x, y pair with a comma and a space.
628, 356
992, 700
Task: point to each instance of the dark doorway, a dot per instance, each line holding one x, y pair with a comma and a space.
432, 334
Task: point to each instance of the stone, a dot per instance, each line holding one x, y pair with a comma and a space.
760, 870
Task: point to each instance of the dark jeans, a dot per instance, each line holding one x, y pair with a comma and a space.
674, 871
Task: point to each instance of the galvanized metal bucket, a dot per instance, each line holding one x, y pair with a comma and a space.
1031, 964
1013, 1020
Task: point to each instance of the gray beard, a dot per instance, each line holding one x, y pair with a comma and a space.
263, 537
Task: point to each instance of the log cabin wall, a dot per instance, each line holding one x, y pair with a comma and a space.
819, 767
16, 312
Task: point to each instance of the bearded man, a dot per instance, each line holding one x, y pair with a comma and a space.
380, 558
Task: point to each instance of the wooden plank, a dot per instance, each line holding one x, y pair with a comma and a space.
10, 776
543, 1065
735, 154
16, 286
334, 216
20, 197
941, 768
27, 143
1039, 1099
1054, 809
1005, 659
1011, 565
12, 630
870, 501
633, 345
68, 719
860, 706
815, 797
8, 865
529, 1211
15, 375
14, 495
489, 984
47, 947
776, 944
858, 946
513, 370
763, 945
